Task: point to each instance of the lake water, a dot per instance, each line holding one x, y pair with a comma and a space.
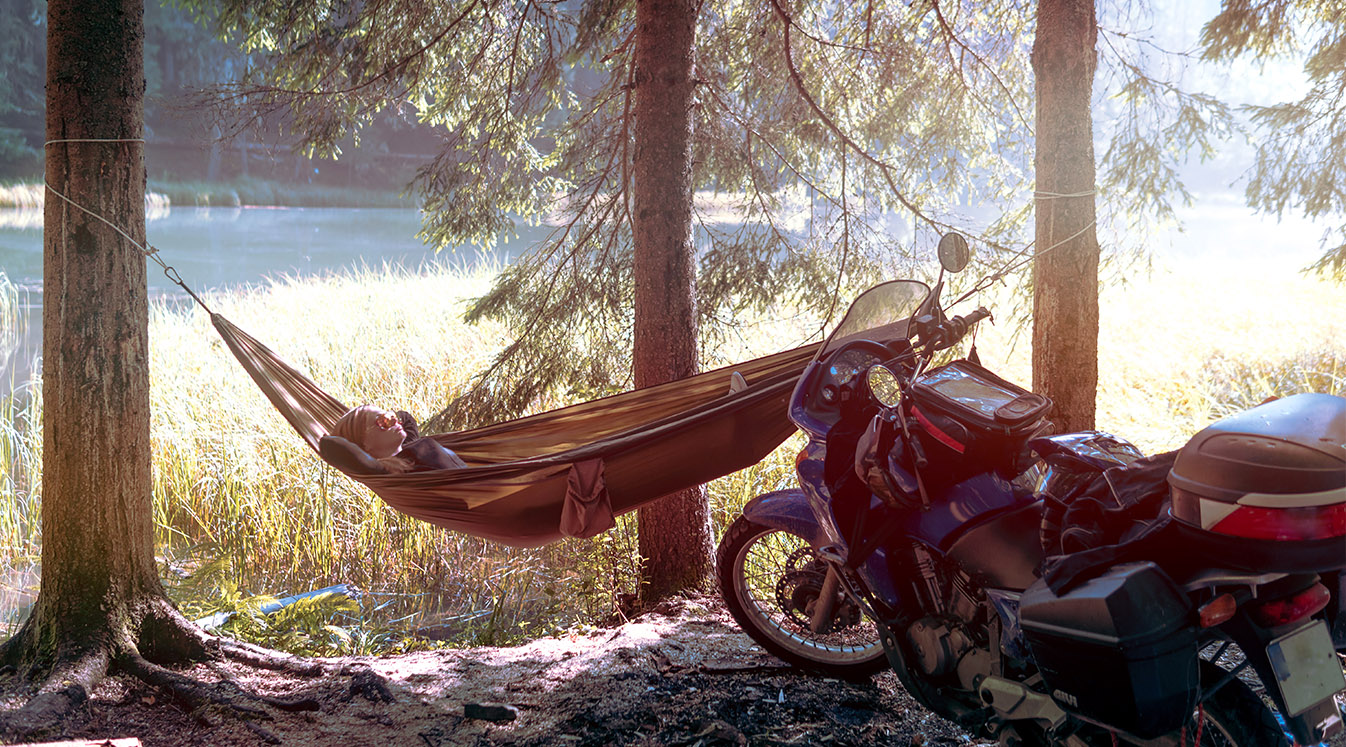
214, 248
224, 247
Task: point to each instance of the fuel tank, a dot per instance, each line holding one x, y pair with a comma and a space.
1002, 552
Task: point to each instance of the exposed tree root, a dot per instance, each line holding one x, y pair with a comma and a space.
195, 694
65, 690
162, 638
261, 658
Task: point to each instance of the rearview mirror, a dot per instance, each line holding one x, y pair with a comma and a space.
883, 384
953, 252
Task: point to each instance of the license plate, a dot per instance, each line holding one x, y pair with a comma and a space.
1306, 666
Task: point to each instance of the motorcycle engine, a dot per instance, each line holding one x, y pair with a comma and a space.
946, 644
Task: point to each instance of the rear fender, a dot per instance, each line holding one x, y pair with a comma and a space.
787, 511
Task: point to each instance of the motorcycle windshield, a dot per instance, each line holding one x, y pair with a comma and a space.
881, 314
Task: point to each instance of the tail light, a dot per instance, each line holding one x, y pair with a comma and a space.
1299, 606
1299, 523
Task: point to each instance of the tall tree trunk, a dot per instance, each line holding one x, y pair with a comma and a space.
675, 540
97, 544
101, 603
1065, 275
100, 597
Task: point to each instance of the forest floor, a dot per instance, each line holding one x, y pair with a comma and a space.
682, 675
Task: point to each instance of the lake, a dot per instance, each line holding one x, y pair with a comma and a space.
215, 248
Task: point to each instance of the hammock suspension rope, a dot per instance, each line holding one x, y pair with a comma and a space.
567, 472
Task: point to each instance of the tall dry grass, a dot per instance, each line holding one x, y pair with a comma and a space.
20, 440
1182, 347
236, 490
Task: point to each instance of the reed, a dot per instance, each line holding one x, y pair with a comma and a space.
239, 499
20, 439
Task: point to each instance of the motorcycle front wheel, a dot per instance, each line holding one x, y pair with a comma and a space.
770, 580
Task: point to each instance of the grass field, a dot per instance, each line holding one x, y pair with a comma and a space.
245, 508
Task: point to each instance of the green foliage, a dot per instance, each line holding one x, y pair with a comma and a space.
323, 625
811, 167
833, 142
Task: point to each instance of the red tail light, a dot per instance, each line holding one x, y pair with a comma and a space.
1302, 523
1291, 609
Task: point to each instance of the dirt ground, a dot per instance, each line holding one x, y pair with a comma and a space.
682, 675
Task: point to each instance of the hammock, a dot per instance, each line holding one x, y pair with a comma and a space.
570, 471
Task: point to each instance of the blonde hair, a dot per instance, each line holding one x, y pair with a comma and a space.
355, 423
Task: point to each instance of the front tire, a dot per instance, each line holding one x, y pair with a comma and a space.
769, 579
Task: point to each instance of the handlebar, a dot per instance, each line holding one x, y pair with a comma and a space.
946, 334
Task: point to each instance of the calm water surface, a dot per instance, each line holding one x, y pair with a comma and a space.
223, 247
216, 248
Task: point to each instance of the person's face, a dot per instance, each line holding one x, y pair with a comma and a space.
384, 436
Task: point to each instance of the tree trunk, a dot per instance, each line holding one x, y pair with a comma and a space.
1065, 275
97, 543
101, 603
675, 540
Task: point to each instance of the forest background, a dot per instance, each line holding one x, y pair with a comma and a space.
237, 511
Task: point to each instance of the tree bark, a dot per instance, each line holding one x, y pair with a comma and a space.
1065, 274
675, 539
101, 604
97, 543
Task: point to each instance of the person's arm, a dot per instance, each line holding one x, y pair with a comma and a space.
409, 425
429, 454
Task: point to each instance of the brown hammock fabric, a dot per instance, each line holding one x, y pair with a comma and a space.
567, 472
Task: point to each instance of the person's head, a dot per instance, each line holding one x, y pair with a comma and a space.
373, 429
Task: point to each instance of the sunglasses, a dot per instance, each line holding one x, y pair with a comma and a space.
386, 421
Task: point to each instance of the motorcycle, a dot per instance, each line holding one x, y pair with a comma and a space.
929, 513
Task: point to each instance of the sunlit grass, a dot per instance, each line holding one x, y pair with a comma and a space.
236, 490
20, 439
1180, 349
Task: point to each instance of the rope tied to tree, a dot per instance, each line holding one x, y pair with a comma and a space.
150, 251
1041, 195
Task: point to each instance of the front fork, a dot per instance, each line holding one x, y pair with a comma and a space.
823, 609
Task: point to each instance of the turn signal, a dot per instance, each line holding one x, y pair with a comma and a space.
1218, 610
1291, 609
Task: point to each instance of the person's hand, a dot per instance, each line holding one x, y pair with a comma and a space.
409, 425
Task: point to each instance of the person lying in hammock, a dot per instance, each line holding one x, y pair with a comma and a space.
393, 440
